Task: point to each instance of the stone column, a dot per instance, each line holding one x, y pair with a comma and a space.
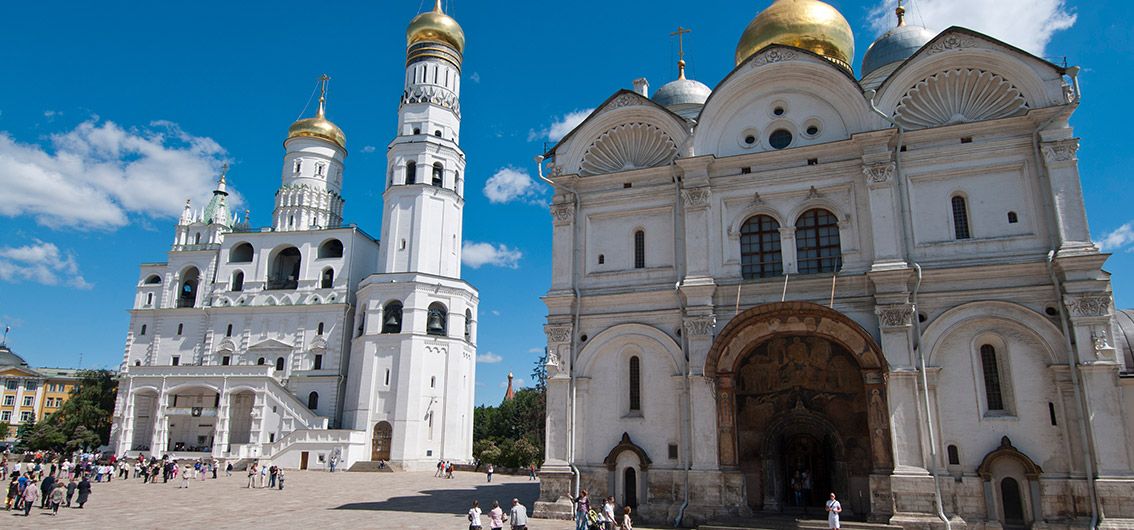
556, 475
885, 214
895, 321
563, 241
787, 249
696, 202
1060, 156
161, 425
726, 422
223, 424
698, 335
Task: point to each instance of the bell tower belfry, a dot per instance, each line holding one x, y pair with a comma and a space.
413, 359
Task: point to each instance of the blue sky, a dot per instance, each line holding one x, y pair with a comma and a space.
112, 113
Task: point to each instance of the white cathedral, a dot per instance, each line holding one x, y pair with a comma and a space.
309, 340
878, 284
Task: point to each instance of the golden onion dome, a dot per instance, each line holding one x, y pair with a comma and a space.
435, 26
807, 24
318, 127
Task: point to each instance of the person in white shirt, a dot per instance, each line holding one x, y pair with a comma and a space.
519, 515
833, 511
474, 515
608, 513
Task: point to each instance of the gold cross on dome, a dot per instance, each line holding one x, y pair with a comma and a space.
680, 34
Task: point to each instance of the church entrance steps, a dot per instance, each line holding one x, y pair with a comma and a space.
783, 522
369, 466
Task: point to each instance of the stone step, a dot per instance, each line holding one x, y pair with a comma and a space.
794, 523
367, 466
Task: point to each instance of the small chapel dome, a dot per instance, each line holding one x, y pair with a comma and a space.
436, 26
319, 126
684, 97
806, 24
895, 45
9, 358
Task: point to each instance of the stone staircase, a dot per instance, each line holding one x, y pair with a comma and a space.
789, 522
369, 466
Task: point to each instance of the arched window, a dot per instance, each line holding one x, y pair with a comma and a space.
468, 325
298, 165
817, 242
137, 363
634, 382
279, 364
228, 331
328, 279
149, 298
639, 249
241, 253
313, 400
153, 279
143, 331
332, 248
411, 172
991, 368
319, 330
392, 317
760, 252
238, 281
187, 296
284, 273
438, 323
197, 238
318, 364
960, 218
438, 174
433, 382
954, 456
261, 361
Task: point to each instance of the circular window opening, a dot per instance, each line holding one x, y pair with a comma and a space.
749, 140
780, 138
1051, 311
813, 130
778, 111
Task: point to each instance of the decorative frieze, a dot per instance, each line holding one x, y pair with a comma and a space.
775, 55
879, 173
696, 197
950, 43
1090, 305
557, 333
894, 315
699, 326
563, 214
1061, 151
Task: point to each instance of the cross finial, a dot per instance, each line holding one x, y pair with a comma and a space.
680, 34
901, 12
323, 95
437, 7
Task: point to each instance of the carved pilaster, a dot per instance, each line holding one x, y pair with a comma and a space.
558, 344
878, 173
1088, 305
894, 316
563, 214
696, 197
699, 326
1061, 151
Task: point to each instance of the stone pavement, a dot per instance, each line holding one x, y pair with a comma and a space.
310, 499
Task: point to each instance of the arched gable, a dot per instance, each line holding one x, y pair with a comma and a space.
626, 444
809, 89
1007, 450
626, 132
965, 73
999, 316
615, 338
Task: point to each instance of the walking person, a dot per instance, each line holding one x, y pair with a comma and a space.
496, 517
626, 523
252, 475
474, 515
185, 477
45, 489
84, 489
263, 475
834, 508
272, 477
31, 494
582, 506
490, 469
608, 513
279, 477
13, 491
57, 496
519, 515
71, 486
531, 472
228, 469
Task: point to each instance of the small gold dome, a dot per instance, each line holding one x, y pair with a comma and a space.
807, 24
318, 127
435, 26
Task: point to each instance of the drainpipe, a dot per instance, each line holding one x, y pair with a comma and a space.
678, 229
907, 223
574, 328
1064, 320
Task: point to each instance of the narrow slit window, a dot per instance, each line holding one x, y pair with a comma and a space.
635, 384
992, 388
960, 218
640, 249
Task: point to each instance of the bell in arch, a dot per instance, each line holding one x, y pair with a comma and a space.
436, 324
393, 319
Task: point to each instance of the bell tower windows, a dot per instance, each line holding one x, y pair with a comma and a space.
392, 318
411, 172
438, 172
438, 320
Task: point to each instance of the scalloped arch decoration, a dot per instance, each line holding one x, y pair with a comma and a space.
960, 95
628, 146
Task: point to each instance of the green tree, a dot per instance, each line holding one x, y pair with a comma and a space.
22, 432
5, 429
539, 372
44, 436
90, 406
83, 439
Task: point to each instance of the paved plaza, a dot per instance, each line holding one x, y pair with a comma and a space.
310, 499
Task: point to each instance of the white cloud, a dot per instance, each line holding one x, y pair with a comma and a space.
495, 313
535, 350
1027, 24
475, 77
1118, 239
369, 149
560, 127
477, 255
40, 263
510, 184
98, 174
488, 358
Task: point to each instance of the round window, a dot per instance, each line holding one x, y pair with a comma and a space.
812, 130
778, 111
750, 139
780, 138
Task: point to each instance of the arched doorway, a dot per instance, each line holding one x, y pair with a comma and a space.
630, 488
1013, 503
1011, 485
801, 404
380, 443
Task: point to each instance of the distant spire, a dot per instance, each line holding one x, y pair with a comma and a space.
510, 394
901, 12
221, 188
323, 96
680, 34
187, 213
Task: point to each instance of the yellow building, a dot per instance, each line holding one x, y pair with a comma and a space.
27, 393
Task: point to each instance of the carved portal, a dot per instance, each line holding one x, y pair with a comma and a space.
801, 397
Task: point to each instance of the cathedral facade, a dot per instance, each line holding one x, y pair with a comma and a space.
805, 281
309, 341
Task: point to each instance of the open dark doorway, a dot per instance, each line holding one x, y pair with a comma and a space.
630, 487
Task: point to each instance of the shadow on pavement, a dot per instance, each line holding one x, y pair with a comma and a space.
454, 501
